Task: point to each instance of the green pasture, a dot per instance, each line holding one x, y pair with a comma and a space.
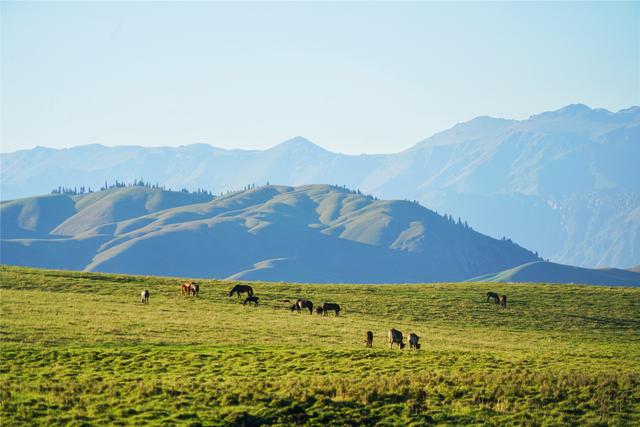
79, 349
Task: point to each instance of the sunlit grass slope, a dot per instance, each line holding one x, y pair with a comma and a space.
79, 348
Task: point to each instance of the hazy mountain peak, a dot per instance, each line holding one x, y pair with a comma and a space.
573, 111
298, 143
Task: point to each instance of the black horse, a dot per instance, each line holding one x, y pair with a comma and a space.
251, 299
330, 306
241, 289
493, 295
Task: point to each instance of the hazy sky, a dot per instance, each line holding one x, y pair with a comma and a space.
352, 77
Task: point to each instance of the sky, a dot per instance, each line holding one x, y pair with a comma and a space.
352, 77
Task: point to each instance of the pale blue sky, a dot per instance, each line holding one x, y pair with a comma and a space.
352, 77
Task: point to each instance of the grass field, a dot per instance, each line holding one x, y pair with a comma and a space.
79, 349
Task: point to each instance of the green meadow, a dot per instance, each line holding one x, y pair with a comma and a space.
79, 349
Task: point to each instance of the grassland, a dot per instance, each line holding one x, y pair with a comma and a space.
79, 349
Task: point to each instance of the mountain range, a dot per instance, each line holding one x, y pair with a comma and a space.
563, 183
315, 233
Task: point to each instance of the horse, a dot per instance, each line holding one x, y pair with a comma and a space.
185, 289
300, 304
503, 300
493, 295
319, 311
368, 339
144, 297
241, 289
251, 299
413, 341
395, 337
330, 306
194, 289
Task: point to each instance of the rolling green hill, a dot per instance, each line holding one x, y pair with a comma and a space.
313, 233
549, 272
65, 215
79, 349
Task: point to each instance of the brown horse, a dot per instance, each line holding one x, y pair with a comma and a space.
503, 300
241, 289
190, 288
185, 289
368, 339
302, 304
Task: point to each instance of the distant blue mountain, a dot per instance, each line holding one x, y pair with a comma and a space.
565, 183
315, 233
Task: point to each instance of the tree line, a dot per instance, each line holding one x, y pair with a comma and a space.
75, 191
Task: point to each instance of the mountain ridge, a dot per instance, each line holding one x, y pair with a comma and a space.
540, 181
570, 108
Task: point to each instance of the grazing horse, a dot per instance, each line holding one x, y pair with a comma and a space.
144, 297
300, 304
318, 311
368, 339
185, 289
413, 341
503, 300
493, 295
330, 306
395, 337
251, 299
241, 289
194, 289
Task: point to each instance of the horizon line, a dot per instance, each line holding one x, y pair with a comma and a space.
297, 137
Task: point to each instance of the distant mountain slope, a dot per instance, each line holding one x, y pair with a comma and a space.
315, 233
548, 272
564, 183
64, 215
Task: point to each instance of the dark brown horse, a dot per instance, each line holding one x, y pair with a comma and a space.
368, 339
241, 289
330, 306
413, 341
302, 304
251, 299
494, 296
395, 337
503, 300
318, 310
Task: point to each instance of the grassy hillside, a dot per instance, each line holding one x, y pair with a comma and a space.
313, 233
55, 215
78, 348
549, 272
